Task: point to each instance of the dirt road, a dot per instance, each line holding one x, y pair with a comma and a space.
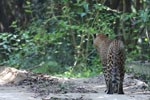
21, 85
16, 93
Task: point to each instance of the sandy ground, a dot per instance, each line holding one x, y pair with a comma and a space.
22, 85
16, 93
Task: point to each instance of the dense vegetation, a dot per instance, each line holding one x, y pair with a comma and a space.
55, 36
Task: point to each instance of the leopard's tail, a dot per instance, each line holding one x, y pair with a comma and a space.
116, 60
114, 75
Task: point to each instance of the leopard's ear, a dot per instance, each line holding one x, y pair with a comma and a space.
107, 35
94, 35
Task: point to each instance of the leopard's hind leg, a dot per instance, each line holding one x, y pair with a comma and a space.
110, 88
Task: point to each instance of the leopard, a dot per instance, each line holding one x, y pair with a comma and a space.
112, 55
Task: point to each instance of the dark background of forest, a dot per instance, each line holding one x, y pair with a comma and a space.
56, 36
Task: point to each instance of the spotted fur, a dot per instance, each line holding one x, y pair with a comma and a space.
112, 57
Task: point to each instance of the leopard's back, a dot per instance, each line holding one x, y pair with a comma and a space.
103, 52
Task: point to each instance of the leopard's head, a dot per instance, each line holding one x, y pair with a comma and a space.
100, 38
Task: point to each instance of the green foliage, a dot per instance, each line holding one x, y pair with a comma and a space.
48, 67
64, 41
11, 43
134, 27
